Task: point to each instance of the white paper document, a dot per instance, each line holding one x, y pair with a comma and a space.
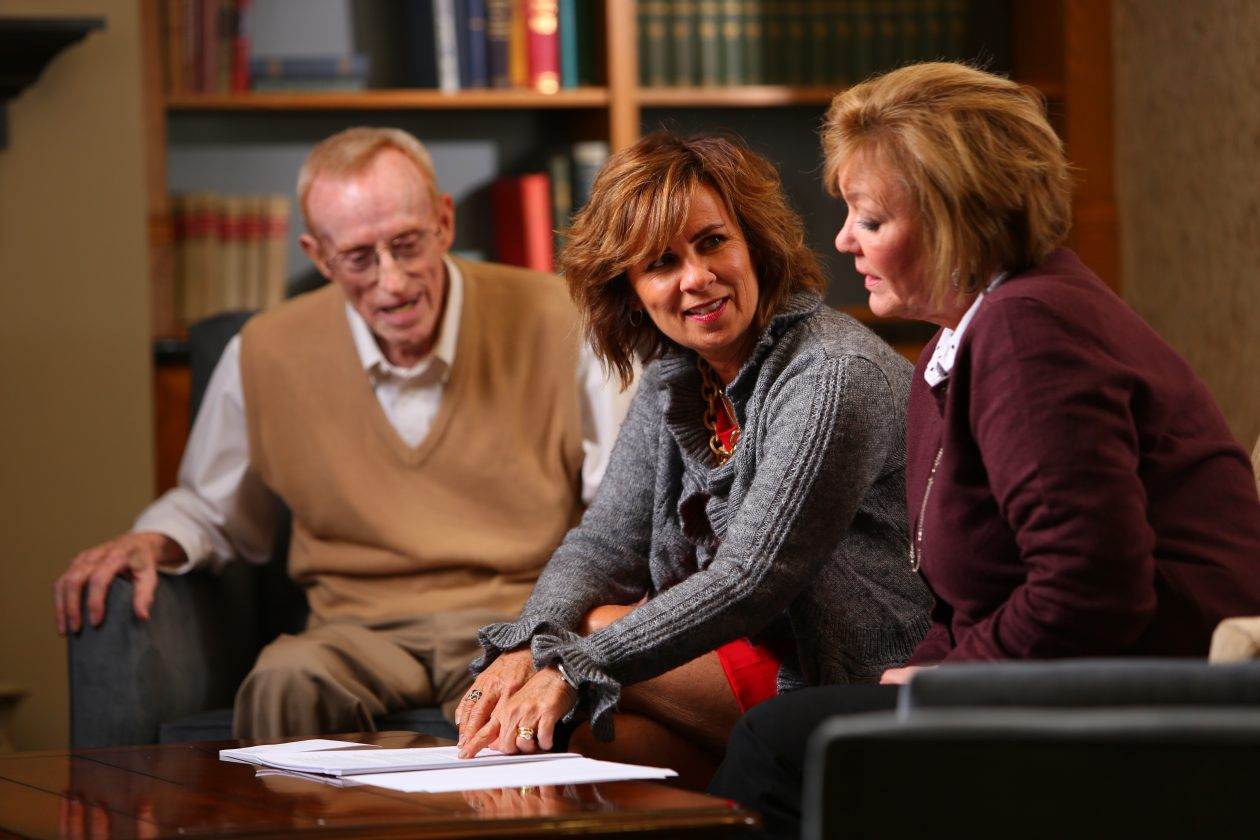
569, 770
262, 752
351, 759
433, 769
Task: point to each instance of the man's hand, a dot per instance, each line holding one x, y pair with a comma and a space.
135, 556
901, 676
491, 688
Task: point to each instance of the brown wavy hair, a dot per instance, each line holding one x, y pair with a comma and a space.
641, 200
977, 157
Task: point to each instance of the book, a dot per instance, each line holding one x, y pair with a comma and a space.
518, 49
446, 45
498, 42
754, 48
682, 30
709, 41
654, 43
588, 158
560, 171
474, 54
568, 44
731, 23
421, 38
542, 44
520, 210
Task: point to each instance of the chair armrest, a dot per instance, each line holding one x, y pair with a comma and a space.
127, 675
1084, 683
1169, 772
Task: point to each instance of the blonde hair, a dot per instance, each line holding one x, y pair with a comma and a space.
975, 153
641, 200
351, 151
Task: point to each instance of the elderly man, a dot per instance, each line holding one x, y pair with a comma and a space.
433, 424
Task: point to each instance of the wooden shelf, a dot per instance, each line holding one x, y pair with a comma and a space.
747, 96
389, 100
766, 96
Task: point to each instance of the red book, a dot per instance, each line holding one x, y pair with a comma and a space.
521, 213
542, 44
240, 48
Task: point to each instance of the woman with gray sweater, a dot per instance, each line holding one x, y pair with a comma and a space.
749, 535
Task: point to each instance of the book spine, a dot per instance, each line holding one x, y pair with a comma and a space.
231, 293
252, 252
931, 46
518, 47
446, 45
276, 247
240, 48
543, 45
498, 42
754, 48
732, 23
461, 44
421, 43
588, 158
775, 40
954, 23
682, 36
862, 62
654, 36
226, 45
568, 44
190, 29
709, 38
840, 42
588, 74
560, 171
478, 71
521, 208
818, 72
795, 47
172, 41
208, 40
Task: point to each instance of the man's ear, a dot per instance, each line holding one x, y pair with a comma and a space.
310, 246
446, 221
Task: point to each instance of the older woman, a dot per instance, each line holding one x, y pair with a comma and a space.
1072, 487
753, 502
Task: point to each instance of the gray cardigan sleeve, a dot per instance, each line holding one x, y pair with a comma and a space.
823, 438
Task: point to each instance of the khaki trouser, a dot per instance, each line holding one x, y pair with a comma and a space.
337, 675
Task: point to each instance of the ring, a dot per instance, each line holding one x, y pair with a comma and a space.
474, 695
527, 790
525, 733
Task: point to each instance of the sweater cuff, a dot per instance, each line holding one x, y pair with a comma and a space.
497, 639
599, 693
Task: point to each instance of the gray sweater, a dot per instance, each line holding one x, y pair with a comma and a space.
804, 528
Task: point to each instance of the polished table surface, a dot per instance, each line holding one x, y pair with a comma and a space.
184, 790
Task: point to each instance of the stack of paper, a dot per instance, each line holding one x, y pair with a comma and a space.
435, 769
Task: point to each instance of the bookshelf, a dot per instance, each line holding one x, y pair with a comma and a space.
1062, 47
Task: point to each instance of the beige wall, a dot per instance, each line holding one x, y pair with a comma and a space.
75, 463
1188, 184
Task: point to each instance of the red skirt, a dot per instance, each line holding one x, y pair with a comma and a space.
751, 669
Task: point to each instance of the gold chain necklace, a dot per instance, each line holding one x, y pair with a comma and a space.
712, 394
916, 541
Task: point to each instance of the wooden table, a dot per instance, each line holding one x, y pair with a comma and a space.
185, 790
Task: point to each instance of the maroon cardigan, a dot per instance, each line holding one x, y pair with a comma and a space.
1090, 499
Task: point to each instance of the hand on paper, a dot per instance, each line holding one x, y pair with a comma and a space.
491, 688
537, 706
134, 555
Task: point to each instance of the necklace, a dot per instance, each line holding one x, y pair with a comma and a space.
916, 545
713, 398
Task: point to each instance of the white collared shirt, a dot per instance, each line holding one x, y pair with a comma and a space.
941, 365
221, 509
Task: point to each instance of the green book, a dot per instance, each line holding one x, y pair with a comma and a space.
654, 43
682, 30
795, 45
775, 34
732, 29
841, 43
754, 42
862, 30
818, 71
560, 169
931, 33
707, 32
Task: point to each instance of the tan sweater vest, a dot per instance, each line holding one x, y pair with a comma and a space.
466, 519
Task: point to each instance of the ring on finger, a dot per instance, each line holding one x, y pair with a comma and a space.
525, 733
473, 696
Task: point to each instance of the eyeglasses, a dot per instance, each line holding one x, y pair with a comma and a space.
407, 250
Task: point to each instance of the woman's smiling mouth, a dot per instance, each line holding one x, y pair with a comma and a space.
707, 312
